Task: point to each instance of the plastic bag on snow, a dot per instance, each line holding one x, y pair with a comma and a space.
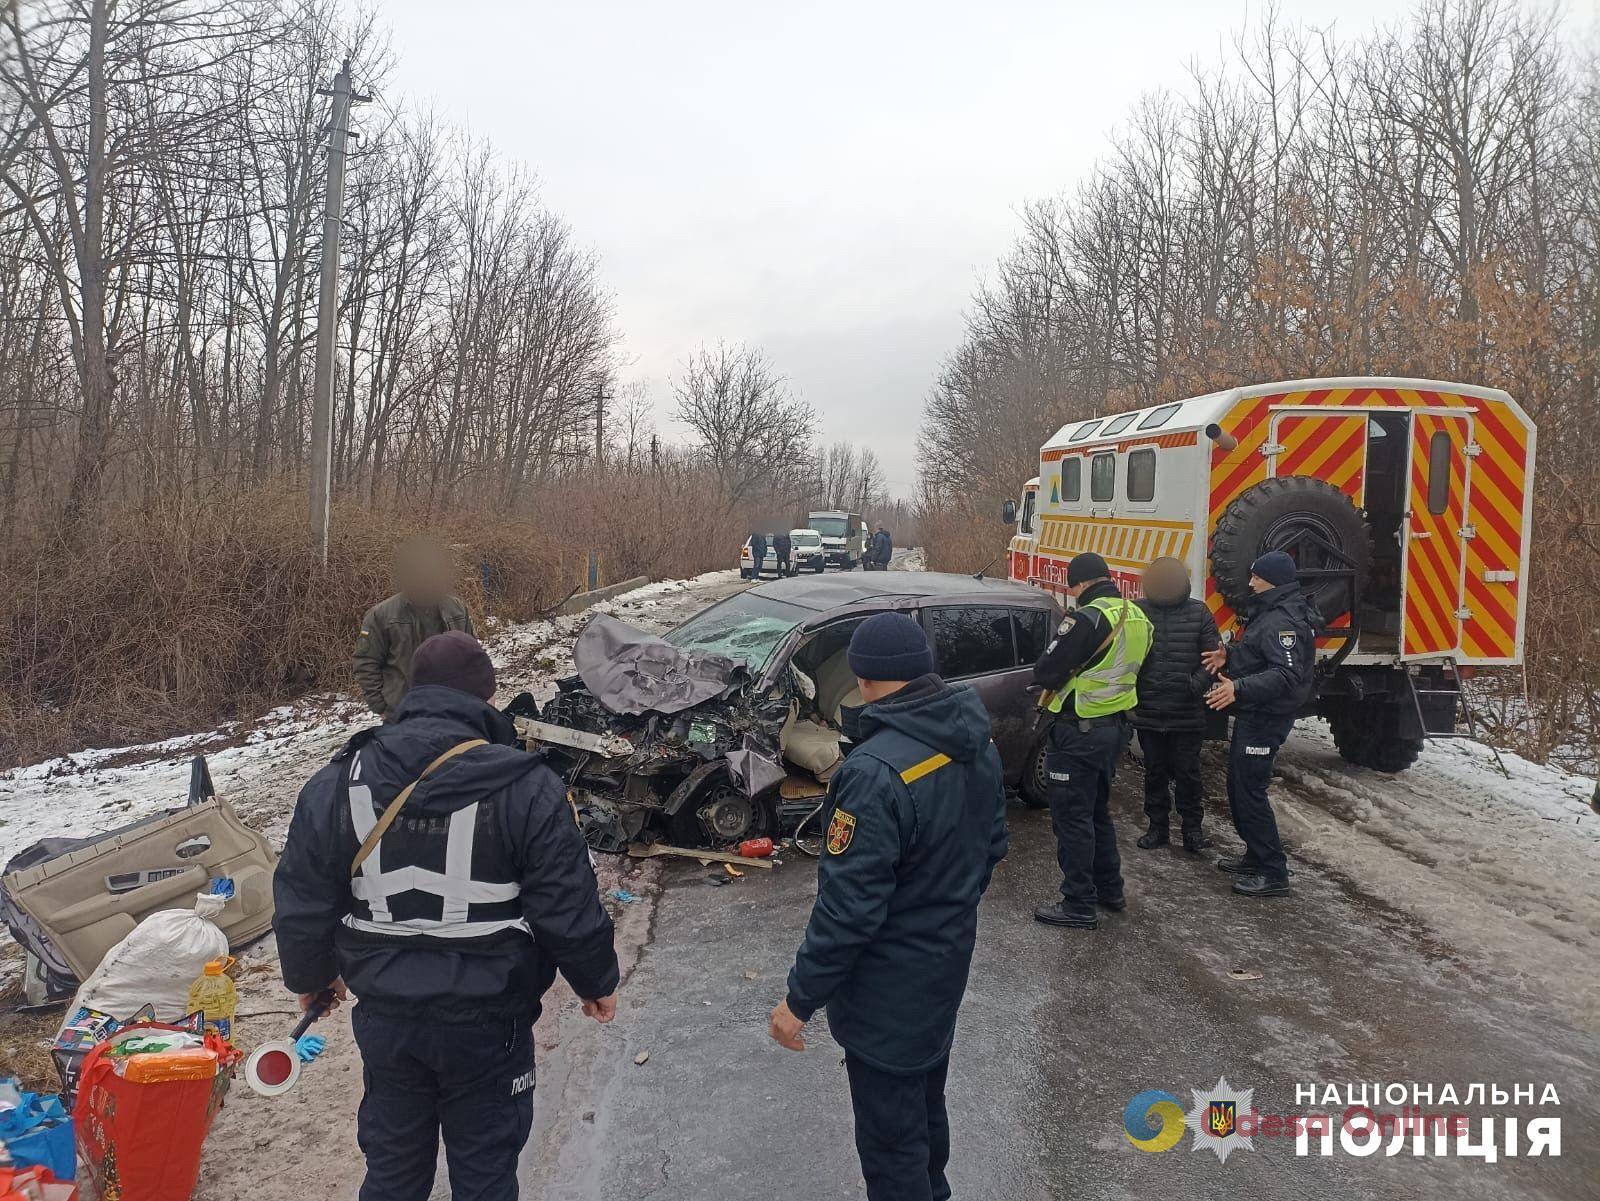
158, 961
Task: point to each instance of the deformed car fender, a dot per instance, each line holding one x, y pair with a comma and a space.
690, 784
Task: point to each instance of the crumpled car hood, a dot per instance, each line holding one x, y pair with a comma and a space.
631, 672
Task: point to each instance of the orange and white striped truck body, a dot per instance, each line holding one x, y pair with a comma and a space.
1442, 473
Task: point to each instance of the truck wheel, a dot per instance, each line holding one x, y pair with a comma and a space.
1366, 738
1290, 513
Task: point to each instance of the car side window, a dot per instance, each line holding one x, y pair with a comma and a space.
1031, 628
972, 640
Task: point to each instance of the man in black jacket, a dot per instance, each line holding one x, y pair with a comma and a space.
880, 549
1265, 677
450, 930
915, 827
1171, 715
758, 555
783, 547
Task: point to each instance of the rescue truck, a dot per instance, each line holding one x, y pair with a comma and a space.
1407, 505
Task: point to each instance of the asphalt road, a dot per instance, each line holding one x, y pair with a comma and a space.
1059, 1030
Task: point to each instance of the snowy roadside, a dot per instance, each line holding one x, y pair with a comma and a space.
1505, 870
303, 1143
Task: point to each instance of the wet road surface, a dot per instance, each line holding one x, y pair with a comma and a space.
1059, 1030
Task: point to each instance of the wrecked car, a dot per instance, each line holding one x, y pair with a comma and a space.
727, 728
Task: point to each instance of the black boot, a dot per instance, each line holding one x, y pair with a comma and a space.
1060, 915
1242, 866
1262, 886
1116, 903
1155, 836
1194, 841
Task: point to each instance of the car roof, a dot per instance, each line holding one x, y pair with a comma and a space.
898, 590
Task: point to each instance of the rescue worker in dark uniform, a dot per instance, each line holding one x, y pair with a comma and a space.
393, 629
1171, 717
1265, 679
758, 555
915, 825
450, 929
783, 547
1089, 672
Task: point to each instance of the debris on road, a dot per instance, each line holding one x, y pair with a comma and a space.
733, 871
623, 895
653, 849
1239, 973
642, 1058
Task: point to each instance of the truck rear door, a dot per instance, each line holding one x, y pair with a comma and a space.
1435, 533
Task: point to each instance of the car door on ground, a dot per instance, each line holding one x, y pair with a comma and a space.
993, 648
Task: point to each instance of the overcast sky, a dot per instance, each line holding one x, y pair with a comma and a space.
825, 180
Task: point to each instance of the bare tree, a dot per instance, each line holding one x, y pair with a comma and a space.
746, 426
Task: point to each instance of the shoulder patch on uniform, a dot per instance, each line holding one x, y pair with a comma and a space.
840, 831
1067, 623
917, 770
1287, 639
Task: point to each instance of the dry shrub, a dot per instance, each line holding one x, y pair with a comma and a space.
956, 539
171, 617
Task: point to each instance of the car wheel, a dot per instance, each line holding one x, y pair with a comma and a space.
1033, 785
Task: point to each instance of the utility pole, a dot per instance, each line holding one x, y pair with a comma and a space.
328, 307
600, 427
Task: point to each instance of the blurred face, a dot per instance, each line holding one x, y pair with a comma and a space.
424, 573
1257, 584
1165, 580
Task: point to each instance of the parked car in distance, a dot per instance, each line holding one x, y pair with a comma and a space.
754, 758
748, 570
808, 553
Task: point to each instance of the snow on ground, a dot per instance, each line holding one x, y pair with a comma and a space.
1505, 867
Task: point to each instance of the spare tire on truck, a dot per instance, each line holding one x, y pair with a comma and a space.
1303, 516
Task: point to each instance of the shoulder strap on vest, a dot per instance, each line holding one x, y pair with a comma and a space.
399, 802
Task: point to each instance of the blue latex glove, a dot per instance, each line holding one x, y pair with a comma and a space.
309, 1046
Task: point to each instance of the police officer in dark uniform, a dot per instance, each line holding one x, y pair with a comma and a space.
915, 826
783, 547
1265, 679
448, 929
1090, 672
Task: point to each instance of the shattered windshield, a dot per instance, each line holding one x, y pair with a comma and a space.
744, 627
831, 527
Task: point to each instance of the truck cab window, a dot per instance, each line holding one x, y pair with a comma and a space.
1117, 425
1439, 472
1029, 502
1072, 479
1142, 475
1102, 477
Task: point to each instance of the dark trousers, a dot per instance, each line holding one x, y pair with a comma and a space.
902, 1131
1079, 768
1251, 754
473, 1084
1172, 772
783, 564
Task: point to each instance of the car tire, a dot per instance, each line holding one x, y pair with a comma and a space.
1273, 515
1032, 787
